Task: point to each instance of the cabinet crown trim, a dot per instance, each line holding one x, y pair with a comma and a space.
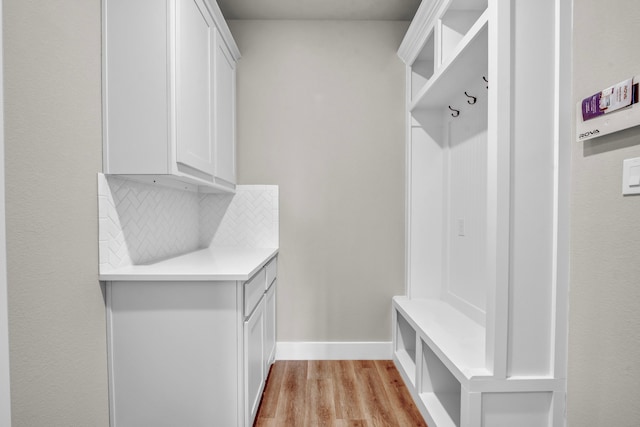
222, 26
418, 32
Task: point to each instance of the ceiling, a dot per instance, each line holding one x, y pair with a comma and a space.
393, 10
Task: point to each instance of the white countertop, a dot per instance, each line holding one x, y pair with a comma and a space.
211, 264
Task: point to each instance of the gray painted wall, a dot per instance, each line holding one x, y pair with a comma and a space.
604, 322
53, 152
5, 399
320, 113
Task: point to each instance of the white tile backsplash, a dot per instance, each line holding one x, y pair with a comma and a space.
248, 219
141, 223
213, 208
145, 223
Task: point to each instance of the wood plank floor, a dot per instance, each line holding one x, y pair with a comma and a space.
337, 393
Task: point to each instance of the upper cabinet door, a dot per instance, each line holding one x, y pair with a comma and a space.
194, 86
225, 107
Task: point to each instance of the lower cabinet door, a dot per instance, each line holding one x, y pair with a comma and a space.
254, 335
270, 328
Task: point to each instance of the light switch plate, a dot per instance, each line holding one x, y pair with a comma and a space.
631, 176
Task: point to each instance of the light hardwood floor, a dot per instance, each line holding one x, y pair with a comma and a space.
337, 393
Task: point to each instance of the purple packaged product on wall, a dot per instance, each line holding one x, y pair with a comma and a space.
611, 99
591, 107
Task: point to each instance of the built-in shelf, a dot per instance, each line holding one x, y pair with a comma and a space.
455, 23
467, 61
438, 403
454, 338
439, 390
405, 350
423, 67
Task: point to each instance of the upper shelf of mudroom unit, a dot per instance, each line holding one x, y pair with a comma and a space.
468, 61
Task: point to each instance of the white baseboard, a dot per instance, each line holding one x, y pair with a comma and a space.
333, 350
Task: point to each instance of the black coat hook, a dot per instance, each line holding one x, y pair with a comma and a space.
455, 113
472, 99
487, 81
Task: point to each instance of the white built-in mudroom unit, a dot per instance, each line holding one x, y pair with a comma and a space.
479, 337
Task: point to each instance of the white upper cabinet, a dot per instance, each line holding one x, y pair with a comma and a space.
169, 93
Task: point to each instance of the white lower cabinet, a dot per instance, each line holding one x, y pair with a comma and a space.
188, 352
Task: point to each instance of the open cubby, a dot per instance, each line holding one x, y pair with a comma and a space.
423, 67
456, 22
405, 349
440, 391
458, 341
468, 62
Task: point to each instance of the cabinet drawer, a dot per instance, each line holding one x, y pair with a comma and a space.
272, 272
253, 290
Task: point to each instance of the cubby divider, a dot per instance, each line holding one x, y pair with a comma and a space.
455, 23
424, 66
405, 348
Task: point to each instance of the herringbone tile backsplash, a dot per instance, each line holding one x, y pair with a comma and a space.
141, 223
248, 219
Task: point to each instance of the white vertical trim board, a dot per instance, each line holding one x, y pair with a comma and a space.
5, 397
334, 350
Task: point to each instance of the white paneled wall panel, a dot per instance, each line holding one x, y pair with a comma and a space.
467, 204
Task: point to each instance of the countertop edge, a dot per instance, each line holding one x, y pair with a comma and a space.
146, 273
